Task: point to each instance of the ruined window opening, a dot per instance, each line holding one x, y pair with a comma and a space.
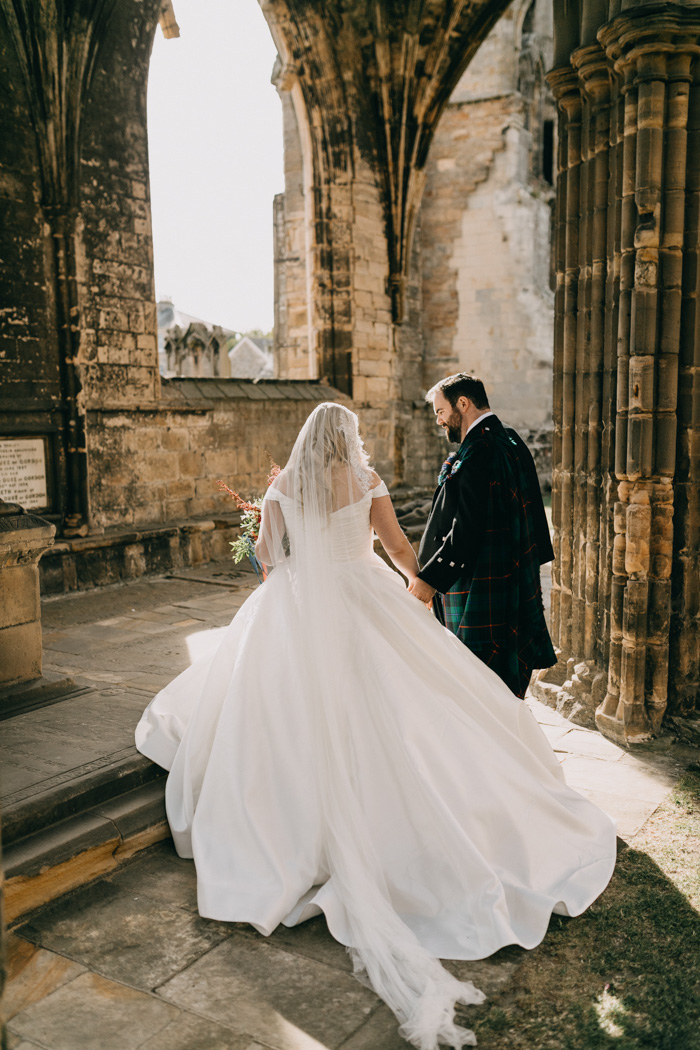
215, 147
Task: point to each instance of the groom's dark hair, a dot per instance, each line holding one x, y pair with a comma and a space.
461, 385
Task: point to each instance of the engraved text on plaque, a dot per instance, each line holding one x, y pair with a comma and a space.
23, 472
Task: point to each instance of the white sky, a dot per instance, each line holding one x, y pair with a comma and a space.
215, 144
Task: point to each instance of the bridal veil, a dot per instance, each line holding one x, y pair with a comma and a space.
302, 535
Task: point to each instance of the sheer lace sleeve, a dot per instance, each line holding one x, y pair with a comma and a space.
270, 548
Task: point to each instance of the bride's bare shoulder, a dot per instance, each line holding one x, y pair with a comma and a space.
374, 479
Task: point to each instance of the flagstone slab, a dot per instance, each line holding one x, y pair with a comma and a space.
32, 974
15, 1042
379, 1032
618, 778
630, 814
554, 734
124, 936
160, 875
546, 715
313, 940
589, 744
188, 1032
92, 1013
273, 995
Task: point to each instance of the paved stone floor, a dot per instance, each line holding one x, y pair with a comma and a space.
120, 645
127, 962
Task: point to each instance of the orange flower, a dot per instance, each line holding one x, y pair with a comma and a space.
241, 503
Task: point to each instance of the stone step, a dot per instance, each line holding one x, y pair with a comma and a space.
74, 828
67, 853
42, 806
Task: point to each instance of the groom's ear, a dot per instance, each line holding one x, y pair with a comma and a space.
463, 403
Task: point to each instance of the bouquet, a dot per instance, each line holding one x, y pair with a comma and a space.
251, 515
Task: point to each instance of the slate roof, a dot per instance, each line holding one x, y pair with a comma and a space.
186, 391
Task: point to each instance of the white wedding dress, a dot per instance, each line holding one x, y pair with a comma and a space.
413, 781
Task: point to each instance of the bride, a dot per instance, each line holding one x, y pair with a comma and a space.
342, 752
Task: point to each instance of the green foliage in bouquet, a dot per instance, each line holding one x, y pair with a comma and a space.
251, 516
244, 546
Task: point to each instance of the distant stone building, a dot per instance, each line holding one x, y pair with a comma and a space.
251, 358
190, 347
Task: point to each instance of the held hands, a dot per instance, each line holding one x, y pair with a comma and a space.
421, 590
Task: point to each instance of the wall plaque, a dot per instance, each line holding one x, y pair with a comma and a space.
23, 472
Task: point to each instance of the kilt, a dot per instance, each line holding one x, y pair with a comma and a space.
497, 609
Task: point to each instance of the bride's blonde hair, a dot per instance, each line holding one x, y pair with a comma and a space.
329, 441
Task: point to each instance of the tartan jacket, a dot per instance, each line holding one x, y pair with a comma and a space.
482, 548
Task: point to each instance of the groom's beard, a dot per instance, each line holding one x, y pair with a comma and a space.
453, 428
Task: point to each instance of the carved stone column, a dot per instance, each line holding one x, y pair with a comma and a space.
657, 78
564, 84
626, 463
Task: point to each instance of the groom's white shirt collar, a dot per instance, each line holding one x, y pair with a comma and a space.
481, 418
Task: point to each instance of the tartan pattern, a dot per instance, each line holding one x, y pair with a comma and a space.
498, 612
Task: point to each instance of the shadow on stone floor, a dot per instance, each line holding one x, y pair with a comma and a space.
137, 932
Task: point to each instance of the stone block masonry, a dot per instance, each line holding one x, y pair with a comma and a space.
487, 304
161, 464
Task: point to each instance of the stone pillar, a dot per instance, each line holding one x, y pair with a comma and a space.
23, 539
626, 432
657, 80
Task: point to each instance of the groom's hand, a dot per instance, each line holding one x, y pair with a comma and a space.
422, 590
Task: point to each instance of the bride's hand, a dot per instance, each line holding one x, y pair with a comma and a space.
422, 591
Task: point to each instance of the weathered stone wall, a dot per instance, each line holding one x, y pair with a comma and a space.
30, 369
136, 464
159, 465
488, 309
291, 332
118, 344
79, 271
382, 363
485, 233
358, 125
28, 347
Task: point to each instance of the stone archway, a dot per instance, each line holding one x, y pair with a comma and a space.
368, 82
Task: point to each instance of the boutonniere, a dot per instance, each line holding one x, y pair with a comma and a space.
449, 467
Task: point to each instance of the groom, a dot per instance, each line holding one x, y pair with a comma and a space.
486, 537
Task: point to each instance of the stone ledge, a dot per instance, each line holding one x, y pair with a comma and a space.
84, 562
115, 537
192, 392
